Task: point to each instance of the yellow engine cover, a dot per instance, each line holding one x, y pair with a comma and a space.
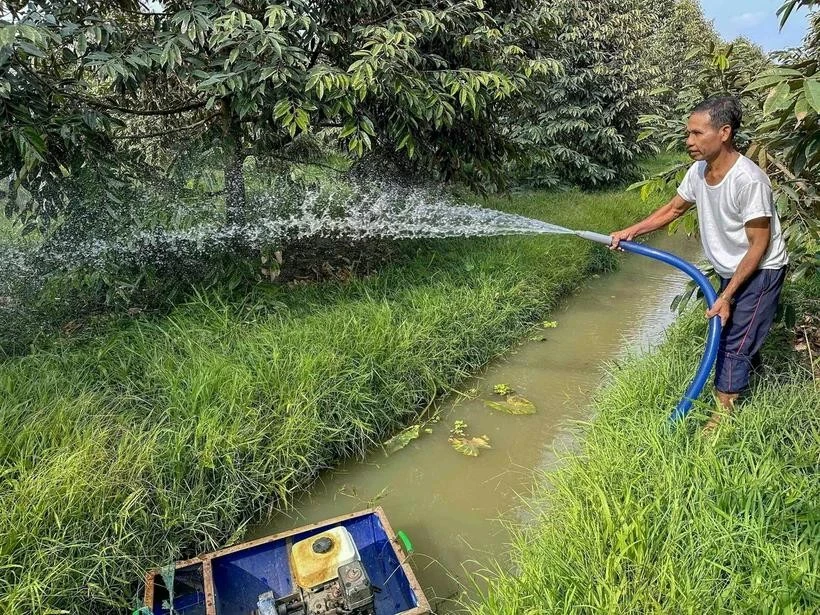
315, 562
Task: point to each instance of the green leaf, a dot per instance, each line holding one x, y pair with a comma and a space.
781, 71
401, 439
764, 82
786, 10
32, 50
469, 446
367, 126
801, 108
219, 78
81, 44
281, 108
777, 99
7, 34
812, 89
348, 130
514, 404
302, 119
636, 185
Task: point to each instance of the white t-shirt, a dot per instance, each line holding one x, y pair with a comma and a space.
745, 193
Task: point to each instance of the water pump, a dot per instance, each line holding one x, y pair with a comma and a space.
329, 579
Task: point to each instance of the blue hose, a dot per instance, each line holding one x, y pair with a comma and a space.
713, 334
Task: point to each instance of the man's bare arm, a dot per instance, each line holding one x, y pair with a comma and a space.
662, 216
758, 232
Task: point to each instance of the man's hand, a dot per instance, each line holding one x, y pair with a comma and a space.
626, 234
721, 307
662, 216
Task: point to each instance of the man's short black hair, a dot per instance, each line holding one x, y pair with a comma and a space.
724, 110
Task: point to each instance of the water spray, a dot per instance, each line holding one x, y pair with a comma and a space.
713, 335
382, 210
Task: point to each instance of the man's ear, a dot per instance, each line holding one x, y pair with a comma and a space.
726, 133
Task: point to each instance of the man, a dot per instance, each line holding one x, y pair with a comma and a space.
741, 237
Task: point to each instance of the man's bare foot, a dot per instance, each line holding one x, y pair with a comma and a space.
725, 407
715, 420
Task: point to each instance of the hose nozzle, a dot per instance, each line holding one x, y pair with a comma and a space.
597, 237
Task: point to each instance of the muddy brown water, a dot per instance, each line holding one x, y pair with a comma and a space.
450, 505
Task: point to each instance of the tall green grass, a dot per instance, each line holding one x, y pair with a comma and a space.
645, 520
154, 438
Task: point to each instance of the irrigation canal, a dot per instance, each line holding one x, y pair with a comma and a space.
451, 505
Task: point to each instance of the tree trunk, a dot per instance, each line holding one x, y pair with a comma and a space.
235, 197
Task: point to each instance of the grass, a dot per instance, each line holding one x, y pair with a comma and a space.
643, 520
154, 438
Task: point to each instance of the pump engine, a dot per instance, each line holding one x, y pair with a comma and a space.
329, 579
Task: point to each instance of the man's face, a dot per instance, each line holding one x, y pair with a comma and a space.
703, 140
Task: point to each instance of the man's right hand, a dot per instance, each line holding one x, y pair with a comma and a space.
628, 234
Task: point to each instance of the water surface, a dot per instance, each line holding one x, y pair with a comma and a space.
450, 505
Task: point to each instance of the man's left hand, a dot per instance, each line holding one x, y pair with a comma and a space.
721, 308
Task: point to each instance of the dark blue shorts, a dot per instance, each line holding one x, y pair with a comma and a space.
749, 323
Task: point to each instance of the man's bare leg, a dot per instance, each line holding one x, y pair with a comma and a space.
727, 405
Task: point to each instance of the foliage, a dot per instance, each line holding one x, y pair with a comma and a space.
252, 76
642, 519
581, 126
789, 6
723, 70
401, 439
469, 446
502, 389
787, 144
680, 32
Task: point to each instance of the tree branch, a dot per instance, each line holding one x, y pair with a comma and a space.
102, 105
315, 55
169, 111
789, 175
161, 133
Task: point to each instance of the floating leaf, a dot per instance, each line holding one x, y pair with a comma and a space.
496, 405
515, 404
470, 446
522, 404
549, 324
502, 389
401, 439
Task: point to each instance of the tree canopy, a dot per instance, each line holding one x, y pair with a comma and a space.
80, 82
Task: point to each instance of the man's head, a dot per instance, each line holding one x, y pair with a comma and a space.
712, 127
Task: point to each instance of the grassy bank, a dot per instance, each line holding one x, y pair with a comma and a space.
640, 520
158, 437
